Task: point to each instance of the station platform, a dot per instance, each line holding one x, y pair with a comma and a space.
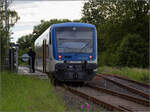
24, 70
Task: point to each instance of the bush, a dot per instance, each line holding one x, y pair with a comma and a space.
133, 52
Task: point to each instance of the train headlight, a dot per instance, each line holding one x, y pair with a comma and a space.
90, 56
59, 56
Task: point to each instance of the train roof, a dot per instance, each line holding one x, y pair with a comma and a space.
72, 24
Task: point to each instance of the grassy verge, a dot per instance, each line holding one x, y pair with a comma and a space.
26, 94
142, 75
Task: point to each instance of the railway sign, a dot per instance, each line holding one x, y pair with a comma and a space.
25, 57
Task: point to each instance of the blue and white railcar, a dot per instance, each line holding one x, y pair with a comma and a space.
68, 51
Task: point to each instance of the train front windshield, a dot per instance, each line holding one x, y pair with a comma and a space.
74, 39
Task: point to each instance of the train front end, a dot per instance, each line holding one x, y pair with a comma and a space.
75, 51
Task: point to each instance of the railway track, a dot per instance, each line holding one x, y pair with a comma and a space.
108, 100
106, 84
114, 100
137, 88
121, 95
127, 79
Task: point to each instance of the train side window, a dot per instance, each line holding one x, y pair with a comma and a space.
50, 40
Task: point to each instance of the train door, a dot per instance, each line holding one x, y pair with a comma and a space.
50, 53
44, 56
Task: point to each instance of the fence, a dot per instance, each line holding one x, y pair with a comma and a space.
9, 62
12, 61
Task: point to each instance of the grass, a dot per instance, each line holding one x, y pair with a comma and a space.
25, 94
22, 63
138, 74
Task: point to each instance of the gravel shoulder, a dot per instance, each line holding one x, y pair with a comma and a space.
74, 102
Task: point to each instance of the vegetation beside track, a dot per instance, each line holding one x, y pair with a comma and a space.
138, 74
122, 31
23, 93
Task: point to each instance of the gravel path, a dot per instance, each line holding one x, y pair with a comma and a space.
23, 70
74, 102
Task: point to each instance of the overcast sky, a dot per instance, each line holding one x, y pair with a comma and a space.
31, 12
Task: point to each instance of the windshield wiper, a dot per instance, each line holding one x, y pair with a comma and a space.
85, 46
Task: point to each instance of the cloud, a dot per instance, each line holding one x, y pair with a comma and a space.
32, 12
18, 34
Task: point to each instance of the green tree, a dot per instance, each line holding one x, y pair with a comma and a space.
115, 19
12, 18
133, 51
28, 40
39, 29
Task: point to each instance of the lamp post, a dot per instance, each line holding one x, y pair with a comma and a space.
6, 24
6, 15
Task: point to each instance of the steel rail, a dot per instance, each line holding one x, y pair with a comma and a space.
127, 87
125, 108
96, 101
126, 78
125, 96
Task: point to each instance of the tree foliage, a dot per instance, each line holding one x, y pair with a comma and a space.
11, 18
28, 40
123, 30
132, 50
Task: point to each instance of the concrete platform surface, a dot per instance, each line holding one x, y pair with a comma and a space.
24, 70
